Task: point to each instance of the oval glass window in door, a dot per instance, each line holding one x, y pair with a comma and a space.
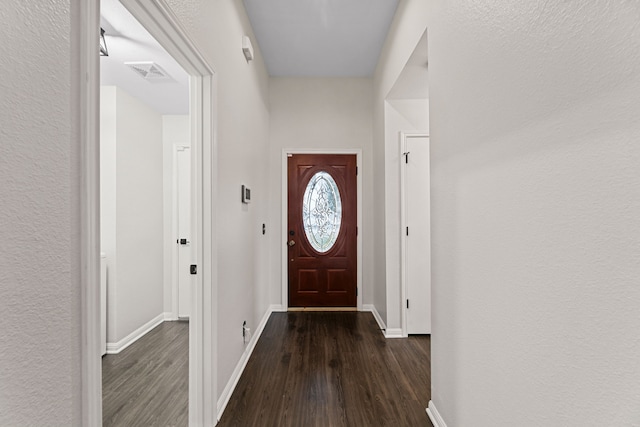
322, 212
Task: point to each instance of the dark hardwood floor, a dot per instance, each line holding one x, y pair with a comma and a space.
332, 369
308, 369
147, 384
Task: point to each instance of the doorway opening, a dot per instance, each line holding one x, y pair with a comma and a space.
144, 111
322, 216
406, 134
322, 250
162, 25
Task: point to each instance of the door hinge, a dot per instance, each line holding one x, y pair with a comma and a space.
406, 157
407, 231
407, 303
356, 171
356, 291
356, 231
193, 269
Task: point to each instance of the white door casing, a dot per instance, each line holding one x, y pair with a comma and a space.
416, 234
163, 25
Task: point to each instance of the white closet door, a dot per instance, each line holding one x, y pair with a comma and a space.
184, 231
418, 235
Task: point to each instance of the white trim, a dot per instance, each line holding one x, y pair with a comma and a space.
85, 19
403, 224
242, 363
160, 21
388, 333
117, 347
394, 333
285, 267
434, 415
372, 308
209, 253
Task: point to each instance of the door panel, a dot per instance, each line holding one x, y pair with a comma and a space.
307, 281
184, 231
336, 281
322, 234
418, 241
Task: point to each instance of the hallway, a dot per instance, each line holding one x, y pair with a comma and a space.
332, 369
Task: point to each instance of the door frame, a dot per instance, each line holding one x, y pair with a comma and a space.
157, 17
403, 224
284, 193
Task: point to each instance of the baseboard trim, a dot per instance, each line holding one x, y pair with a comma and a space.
376, 315
394, 333
242, 363
434, 415
171, 317
277, 308
117, 347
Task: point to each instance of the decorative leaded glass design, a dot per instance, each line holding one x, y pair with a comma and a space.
322, 212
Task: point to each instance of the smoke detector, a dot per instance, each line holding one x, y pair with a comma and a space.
149, 71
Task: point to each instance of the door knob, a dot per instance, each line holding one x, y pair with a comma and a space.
291, 242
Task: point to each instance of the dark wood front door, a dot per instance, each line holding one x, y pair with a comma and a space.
322, 233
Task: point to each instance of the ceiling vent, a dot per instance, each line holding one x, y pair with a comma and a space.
149, 71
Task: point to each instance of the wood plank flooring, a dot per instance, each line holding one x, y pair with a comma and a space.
147, 384
308, 369
332, 369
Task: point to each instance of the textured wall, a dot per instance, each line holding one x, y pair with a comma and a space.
312, 113
536, 200
39, 272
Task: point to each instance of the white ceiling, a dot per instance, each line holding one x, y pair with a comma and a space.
128, 41
321, 38
298, 38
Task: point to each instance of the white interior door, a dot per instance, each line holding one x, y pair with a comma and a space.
183, 239
417, 234
103, 303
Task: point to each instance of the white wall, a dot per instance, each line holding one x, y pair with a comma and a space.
406, 30
536, 200
133, 175
39, 217
176, 130
314, 113
400, 115
108, 199
243, 129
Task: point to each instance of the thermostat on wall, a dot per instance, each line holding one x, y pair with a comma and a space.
246, 194
247, 48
